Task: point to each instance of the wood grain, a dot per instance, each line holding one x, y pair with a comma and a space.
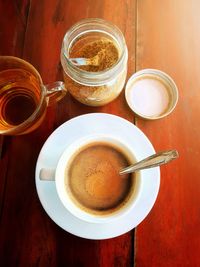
168, 37
28, 237
13, 22
12, 32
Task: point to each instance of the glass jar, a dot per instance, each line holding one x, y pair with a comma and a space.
100, 87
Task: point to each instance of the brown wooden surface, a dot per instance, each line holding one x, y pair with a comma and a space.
28, 237
167, 37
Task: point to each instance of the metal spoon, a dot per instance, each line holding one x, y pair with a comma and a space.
93, 61
152, 161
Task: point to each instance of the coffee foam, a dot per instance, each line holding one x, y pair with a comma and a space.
94, 183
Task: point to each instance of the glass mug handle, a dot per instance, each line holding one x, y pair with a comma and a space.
54, 92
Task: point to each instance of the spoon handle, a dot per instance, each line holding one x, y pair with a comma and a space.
79, 61
152, 161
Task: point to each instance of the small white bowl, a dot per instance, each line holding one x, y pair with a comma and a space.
151, 94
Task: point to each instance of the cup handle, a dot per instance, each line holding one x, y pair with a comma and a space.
47, 175
55, 91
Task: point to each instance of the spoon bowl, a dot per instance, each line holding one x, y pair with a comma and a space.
93, 61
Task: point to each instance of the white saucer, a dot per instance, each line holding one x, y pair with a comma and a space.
71, 131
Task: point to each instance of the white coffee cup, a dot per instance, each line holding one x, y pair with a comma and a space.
65, 195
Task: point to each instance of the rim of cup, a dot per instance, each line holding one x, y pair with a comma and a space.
64, 163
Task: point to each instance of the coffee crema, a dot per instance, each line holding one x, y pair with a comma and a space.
93, 181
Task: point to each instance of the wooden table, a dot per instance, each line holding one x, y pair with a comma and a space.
160, 34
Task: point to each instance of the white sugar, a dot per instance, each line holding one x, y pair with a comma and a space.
148, 96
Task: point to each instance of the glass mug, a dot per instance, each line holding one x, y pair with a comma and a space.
23, 96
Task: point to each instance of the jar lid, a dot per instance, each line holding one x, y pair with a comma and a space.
151, 94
